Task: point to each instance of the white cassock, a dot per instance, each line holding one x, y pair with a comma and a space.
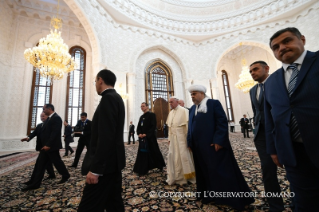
180, 164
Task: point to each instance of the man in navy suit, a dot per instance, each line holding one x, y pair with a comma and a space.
292, 114
259, 71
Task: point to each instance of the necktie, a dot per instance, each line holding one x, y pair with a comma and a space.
261, 93
294, 130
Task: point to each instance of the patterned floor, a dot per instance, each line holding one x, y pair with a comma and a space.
136, 190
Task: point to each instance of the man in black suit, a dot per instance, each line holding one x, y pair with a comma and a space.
244, 123
67, 138
52, 143
37, 132
106, 156
84, 125
259, 71
131, 133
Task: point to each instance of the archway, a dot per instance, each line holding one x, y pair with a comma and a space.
159, 88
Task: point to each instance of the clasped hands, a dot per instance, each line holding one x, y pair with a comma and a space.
142, 135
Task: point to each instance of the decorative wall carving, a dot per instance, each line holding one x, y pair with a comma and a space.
127, 49
213, 25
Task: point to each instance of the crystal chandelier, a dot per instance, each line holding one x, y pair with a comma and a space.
51, 56
245, 82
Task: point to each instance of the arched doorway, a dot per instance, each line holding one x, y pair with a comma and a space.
159, 88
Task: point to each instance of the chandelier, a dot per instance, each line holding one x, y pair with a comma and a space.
245, 82
51, 56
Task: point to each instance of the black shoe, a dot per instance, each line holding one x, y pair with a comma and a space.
50, 177
63, 180
71, 153
128, 144
74, 166
27, 183
30, 188
133, 142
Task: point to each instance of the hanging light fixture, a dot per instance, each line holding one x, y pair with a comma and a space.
51, 56
245, 82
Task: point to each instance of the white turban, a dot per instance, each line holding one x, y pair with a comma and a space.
199, 88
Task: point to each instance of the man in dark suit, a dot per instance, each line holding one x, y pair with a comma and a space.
292, 114
106, 156
259, 71
244, 123
131, 133
37, 132
67, 138
52, 143
84, 125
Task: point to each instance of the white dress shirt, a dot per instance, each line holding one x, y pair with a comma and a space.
258, 88
288, 72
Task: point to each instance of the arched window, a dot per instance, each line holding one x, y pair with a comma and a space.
229, 107
159, 82
41, 94
158, 89
75, 87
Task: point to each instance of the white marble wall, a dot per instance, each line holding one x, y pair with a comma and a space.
22, 32
126, 50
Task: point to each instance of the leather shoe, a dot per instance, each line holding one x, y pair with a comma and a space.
50, 177
63, 180
27, 183
30, 188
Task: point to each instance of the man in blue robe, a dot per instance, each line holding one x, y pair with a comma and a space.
215, 165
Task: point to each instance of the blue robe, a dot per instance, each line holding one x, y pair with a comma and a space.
215, 171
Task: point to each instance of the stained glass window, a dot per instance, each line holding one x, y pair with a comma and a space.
75, 87
158, 82
229, 109
41, 93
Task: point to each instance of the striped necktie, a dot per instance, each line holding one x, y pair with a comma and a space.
294, 130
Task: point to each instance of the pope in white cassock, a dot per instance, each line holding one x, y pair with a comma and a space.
180, 165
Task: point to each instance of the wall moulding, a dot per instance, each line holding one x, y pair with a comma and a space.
216, 36
257, 14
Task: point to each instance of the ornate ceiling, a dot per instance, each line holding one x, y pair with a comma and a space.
191, 20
